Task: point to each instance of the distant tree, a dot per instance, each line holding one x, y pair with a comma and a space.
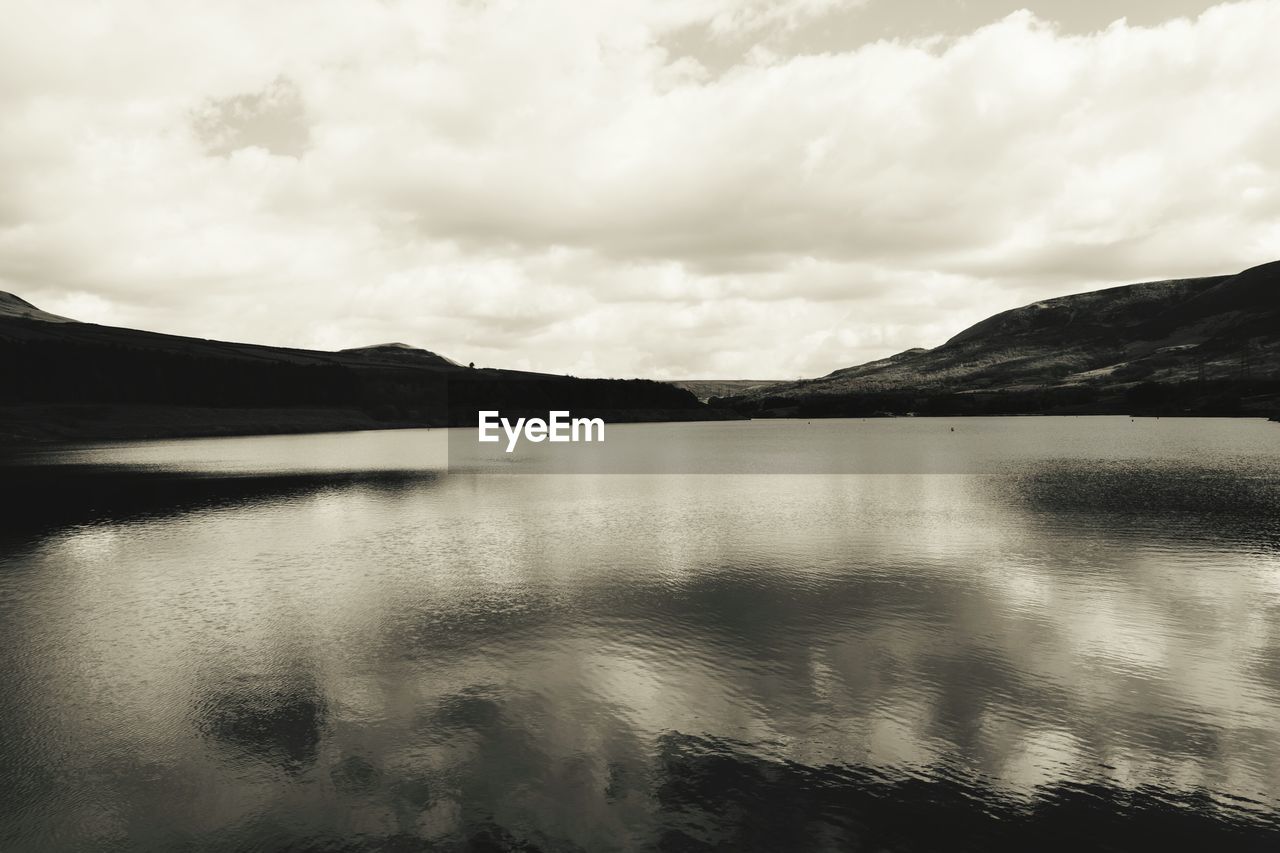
472, 365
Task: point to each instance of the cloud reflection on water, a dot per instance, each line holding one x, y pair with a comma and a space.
633, 662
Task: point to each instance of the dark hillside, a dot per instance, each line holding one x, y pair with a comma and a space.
1190, 346
51, 364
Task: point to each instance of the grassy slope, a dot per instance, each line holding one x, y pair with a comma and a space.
704, 389
1209, 329
68, 380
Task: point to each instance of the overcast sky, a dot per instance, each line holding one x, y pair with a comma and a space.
673, 188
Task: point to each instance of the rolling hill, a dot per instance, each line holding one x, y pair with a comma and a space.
705, 389
61, 379
1194, 346
11, 307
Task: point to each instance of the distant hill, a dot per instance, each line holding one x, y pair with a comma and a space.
61, 379
704, 389
1185, 345
13, 307
397, 353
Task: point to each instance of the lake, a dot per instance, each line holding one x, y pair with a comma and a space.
898, 634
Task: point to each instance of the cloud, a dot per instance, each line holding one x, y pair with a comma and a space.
547, 184
753, 16
273, 119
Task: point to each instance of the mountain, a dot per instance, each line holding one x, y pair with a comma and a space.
704, 389
1185, 345
11, 307
398, 353
60, 379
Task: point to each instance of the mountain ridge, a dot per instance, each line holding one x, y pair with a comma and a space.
1099, 344
402, 353
61, 379
13, 306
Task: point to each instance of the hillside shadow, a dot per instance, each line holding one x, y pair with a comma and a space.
43, 499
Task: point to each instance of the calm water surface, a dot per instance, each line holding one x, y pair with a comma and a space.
334, 642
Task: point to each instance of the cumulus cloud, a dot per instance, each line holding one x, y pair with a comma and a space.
550, 185
273, 119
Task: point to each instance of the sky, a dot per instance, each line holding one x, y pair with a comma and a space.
670, 189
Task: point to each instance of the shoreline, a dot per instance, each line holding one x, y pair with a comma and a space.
35, 424
48, 424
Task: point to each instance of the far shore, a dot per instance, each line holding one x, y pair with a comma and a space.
40, 424
43, 424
